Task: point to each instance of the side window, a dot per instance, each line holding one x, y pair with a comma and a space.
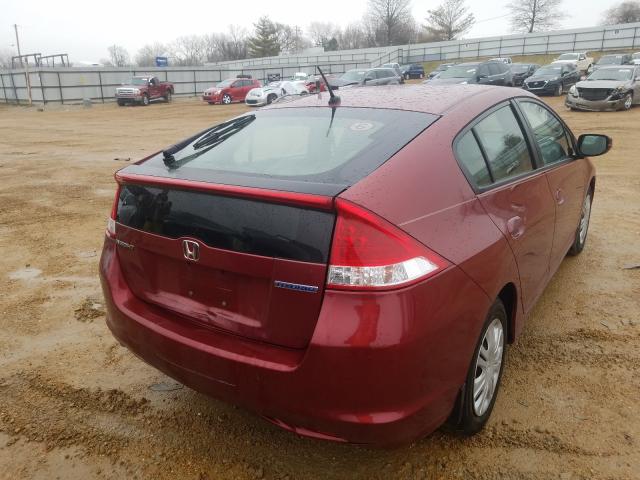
504, 144
470, 156
549, 133
483, 70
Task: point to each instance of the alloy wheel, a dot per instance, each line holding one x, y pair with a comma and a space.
226, 99
488, 364
628, 101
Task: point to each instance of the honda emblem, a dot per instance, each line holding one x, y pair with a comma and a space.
191, 250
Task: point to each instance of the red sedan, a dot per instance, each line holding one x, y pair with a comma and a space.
351, 273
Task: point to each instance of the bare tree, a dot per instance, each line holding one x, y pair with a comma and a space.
146, 56
226, 46
118, 56
535, 15
5, 58
352, 37
450, 20
388, 18
627, 11
321, 32
188, 50
291, 39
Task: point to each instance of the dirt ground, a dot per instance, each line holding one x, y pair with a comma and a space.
74, 404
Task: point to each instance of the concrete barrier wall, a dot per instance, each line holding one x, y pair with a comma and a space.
71, 85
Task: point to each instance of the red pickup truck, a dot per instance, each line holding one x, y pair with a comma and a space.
143, 90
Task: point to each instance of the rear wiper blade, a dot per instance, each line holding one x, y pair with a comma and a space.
207, 136
224, 130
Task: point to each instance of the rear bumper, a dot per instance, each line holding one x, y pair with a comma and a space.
380, 368
591, 105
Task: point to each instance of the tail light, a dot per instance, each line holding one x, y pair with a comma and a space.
111, 222
369, 253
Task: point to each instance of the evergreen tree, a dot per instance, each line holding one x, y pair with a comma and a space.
265, 42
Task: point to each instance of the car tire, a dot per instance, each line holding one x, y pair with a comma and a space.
422, 75
145, 100
407, 76
226, 99
271, 97
478, 398
628, 101
583, 226
167, 97
121, 103
558, 91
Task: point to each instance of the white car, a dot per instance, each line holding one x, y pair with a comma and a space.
581, 61
257, 97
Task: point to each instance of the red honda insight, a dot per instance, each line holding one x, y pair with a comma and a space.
350, 271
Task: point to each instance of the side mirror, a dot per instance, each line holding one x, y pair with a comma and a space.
592, 144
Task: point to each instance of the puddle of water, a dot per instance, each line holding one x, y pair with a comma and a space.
28, 273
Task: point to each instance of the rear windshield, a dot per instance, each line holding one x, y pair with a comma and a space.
299, 144
459, 71
519, 68
353, 76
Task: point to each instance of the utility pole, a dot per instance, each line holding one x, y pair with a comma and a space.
26, 65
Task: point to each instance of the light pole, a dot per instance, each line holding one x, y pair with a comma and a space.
26, 65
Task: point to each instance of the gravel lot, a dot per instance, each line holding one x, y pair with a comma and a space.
74, 404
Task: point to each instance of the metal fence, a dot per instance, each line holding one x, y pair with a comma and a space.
72, 85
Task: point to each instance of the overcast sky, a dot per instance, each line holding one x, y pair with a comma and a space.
84, 29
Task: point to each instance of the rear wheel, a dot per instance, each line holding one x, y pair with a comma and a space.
583, 226
628, 101
167, 97
485, 371
558, 91
145, 100
226, 99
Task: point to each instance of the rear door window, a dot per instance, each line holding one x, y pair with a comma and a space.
494, 69
549, 133
504, 144
470, 156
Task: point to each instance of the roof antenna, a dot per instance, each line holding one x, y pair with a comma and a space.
333, 98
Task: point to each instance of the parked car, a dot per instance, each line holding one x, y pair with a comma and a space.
613, 59
608, 88
521, 71
635, 58
260, 96
440, 68
311, 83
143, 90
506, 60
552, 79
315, 266
412, 70
581, 60
486, 73
230, 90
395, 67
370, 77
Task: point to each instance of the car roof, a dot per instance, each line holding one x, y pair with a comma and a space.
434, 99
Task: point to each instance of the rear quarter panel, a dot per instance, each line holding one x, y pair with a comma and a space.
423, 191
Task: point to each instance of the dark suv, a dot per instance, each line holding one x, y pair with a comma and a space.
486, 73
413, 70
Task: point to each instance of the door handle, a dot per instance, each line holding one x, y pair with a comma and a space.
515, 227
560, 196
